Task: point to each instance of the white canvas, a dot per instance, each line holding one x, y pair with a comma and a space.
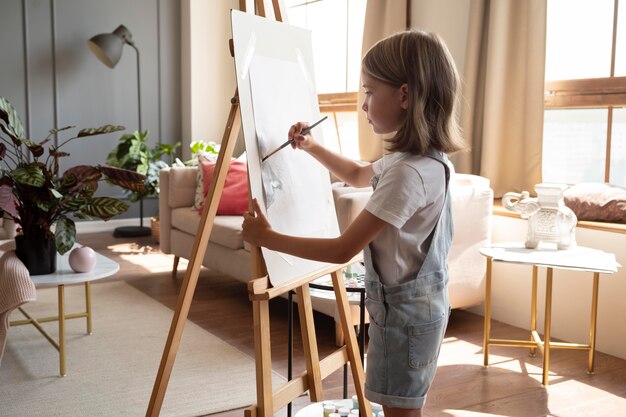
276, 89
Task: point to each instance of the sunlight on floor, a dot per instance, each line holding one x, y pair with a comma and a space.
146, 256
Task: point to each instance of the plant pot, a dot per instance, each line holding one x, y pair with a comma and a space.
37, 254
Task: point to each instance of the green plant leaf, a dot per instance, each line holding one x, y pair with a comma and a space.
14, 127
55, 193
60, 129
124, 178
30, 174
81, 178
99, 130
74, 205
65, 234
104, 207
44, 204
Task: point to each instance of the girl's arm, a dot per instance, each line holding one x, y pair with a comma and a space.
257, 231
349, 171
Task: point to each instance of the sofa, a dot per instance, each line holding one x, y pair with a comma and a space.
472, 205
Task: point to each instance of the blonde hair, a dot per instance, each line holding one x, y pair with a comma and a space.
422, 61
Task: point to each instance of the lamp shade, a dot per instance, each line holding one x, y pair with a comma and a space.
108, 46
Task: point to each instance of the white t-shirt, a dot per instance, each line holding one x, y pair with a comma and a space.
409, 196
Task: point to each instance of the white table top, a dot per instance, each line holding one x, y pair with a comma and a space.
577, 258
65, 275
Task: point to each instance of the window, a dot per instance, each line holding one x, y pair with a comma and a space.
585, 115
337, 32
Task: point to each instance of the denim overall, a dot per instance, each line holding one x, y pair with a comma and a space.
408, 321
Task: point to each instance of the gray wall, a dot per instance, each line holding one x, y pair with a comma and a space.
53, 80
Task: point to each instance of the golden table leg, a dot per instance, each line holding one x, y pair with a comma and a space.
533, 309
594, 319
487, 313
61, 289
88, 306
548, 318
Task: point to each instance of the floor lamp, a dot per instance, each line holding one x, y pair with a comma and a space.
108, 48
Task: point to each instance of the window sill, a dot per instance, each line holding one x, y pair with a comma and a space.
498, 210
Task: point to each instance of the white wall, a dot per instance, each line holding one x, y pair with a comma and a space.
208, 72
571, 291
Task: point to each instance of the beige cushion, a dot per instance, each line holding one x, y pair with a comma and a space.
181, 187
226, 230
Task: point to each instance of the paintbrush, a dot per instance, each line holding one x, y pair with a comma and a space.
289, 141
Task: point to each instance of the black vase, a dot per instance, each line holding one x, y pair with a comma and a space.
38, 254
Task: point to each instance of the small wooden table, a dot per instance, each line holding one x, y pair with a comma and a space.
62, 276
577, 258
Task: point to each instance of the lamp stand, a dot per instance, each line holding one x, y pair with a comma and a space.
141, 230
134, 231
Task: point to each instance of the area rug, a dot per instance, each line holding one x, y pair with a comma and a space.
112, 372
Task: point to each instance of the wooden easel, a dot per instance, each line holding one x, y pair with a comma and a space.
260, 292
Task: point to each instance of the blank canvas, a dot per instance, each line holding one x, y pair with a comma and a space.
276, 89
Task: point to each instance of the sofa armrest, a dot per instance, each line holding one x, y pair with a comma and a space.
165, 212
177, 189
182, 189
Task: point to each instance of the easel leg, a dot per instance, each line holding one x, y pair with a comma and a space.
289, 343
195, 263
309, 343
352, 347
339, 337
263, 360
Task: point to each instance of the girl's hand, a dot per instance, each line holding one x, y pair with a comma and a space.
255, 227
304, 142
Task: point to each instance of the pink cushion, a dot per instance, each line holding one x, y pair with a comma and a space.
234, 199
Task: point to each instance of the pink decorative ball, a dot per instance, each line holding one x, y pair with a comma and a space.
82, 259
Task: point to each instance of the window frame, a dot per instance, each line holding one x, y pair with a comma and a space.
607, 92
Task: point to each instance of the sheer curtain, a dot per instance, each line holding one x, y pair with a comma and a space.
503, 88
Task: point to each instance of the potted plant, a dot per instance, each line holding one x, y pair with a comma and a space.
41, 200
133, 152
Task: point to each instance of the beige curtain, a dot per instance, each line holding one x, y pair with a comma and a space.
382, 18
502, 105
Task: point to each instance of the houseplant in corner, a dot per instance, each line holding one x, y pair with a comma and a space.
133, 152
42, 200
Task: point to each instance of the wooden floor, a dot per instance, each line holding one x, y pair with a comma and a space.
510, 386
